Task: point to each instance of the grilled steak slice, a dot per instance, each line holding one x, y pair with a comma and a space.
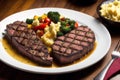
28, 43
73, 45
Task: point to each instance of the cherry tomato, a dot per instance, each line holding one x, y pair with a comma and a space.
47, 21
40, 27
76, 24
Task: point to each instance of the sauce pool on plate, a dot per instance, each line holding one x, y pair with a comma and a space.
12, 52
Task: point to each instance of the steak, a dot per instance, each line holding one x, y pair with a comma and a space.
28, 43
66, 49
73, 45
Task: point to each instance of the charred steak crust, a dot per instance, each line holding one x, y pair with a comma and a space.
73, 45
28, 43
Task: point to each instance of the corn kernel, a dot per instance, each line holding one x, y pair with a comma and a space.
49, 49
44, 16
36, 17
29, 26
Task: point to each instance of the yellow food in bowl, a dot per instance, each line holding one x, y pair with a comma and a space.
111, 10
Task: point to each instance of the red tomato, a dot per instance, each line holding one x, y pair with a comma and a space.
47, 21
76, 24
40, 27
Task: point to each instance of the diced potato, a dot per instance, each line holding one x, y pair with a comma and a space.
47, 41
36, 22
46, 29
53, 29
115, 3
58, 26
110, 5
111, 10
50, 33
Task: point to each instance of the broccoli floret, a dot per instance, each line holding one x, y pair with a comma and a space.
59, 33
65, 29
29, 21
72, 26
63, 23
54, 16
71, 22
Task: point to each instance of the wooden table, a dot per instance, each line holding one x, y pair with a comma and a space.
8, 7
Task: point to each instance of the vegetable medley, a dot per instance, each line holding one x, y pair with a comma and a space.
51, 25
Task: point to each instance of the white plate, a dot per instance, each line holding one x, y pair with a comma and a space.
101, 33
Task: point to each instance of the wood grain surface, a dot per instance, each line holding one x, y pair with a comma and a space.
8, 7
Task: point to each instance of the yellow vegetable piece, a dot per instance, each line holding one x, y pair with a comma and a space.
36, 17
49, 49
36, 22
29, 26
44, 16
50, 33
111, 10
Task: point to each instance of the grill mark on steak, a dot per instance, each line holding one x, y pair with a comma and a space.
73, 45
28, 43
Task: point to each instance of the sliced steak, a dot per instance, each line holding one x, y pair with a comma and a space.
73, 45
28, 43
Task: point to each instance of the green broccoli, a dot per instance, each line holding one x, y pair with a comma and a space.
59, 33
29, 21
65, 29
54, 16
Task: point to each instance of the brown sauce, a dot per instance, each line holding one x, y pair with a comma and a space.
12, 52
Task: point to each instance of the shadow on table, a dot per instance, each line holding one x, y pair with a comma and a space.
115, 31
9, 73
82, 2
